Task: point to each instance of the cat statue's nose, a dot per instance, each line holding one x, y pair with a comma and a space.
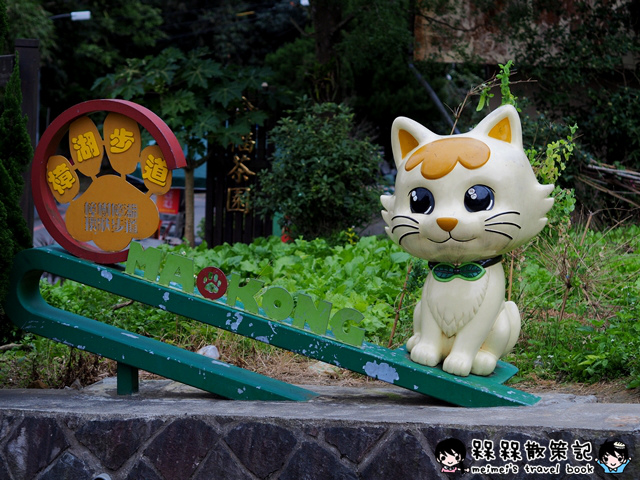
447, 223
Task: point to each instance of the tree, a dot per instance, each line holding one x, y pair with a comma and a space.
322, 180
356, 52
583, 57
15, 154
29, 19
353, 39
238, 32
203, 102
83, 51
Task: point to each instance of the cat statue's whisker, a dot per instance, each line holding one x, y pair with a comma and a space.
500, 233
415, 227
406, 235
503, 223
407, 217
511, 212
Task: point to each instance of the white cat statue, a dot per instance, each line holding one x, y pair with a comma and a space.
461, 202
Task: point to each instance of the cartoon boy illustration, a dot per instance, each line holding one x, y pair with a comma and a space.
450, 453
613, 456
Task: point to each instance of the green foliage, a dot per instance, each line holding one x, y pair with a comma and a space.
291, 65
548, 166
200, 99
368, 68
551, 164
4, 28
240, 32
579, 299
83, 51
351, 49
583, 60
29, 19
204, 103
503, 77
15, 154
322, 180
366, 275
614, 126
548, 158
38, 362
373, 47
577, 288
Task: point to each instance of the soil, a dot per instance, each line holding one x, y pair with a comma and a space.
605, 392
302, 371
299, 370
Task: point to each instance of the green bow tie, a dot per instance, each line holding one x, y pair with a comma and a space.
445, 272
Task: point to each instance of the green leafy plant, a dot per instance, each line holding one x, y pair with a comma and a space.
548, 166
578, 293
322, 179
502, 78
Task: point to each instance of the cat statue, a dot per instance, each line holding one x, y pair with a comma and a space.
461, 202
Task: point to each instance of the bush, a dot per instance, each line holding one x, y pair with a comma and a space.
322, 179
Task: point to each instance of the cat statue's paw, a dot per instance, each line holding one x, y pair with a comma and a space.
426, 354
413, 341
484, 363
457, 364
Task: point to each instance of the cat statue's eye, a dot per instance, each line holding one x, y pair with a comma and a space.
478, 198
421, 201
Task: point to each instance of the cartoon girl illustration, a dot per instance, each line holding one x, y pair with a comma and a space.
613, 456
450, 453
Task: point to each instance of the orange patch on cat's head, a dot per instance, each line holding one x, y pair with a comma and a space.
440, 157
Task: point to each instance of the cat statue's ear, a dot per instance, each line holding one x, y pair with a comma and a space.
502, 124
406, 136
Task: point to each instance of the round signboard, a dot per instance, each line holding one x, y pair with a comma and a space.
105, 212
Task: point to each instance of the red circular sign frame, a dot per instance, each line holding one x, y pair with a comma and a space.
44, 201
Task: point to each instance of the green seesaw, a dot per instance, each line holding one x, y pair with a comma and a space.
29, 311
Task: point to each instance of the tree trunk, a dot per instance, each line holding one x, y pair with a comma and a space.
189, 214
327, 17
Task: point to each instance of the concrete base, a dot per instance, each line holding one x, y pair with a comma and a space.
173, 432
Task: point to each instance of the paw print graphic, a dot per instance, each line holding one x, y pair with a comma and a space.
212, 283
104, 209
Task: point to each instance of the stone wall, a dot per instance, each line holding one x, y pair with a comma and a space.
80, 437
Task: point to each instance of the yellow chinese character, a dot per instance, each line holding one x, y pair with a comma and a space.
121, 140
238, 199
155, 170
61, 178
240, 171
247, 143
86, 146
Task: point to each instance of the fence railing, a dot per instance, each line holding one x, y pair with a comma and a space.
231, 186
